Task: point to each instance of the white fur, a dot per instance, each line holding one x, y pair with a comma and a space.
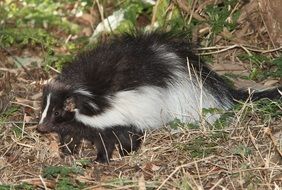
44, 114
94, 106
83, 92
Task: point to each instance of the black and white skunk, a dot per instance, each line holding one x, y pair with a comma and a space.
113, 93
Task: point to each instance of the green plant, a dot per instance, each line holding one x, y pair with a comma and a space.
242, 150
9, 112
221, 16
199, 147
31, 13
68, 184
62, 171
268, 109
26, 36
23, 186
278, 63
261, 66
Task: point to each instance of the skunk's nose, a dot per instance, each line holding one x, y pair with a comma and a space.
42, 128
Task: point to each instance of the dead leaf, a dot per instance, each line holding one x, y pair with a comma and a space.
151, 167
27, 118
155, 167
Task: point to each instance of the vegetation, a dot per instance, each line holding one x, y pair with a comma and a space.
241, 150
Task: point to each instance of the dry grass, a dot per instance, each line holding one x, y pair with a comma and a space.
246, 154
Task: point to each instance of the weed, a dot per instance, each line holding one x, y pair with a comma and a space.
58, 60
199, 147
118, 182
220, 16
23, 186
176, 123
43, 14
224, 120
68, 184
54, 171
185, 183
26, 36
168, 16
278, 63
18, 130
268, 109
9, 112
261, 66
83, 162
242, 150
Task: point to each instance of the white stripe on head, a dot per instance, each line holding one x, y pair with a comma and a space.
44, 114
83, 92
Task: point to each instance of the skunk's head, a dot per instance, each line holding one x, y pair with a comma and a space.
57, 106
61, 102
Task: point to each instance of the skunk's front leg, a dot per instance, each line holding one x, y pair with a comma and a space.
70, 143
70, 135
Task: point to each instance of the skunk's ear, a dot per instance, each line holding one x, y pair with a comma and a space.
69, 104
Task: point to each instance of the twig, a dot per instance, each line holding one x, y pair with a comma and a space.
225, 48
53, 69
8, 70
220, 51
101, 12
21, 144
155, 12
43, 182
216, 184
25, 105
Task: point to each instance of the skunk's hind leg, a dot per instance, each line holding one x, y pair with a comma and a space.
127, 138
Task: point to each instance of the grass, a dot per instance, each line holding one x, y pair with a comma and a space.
242, 150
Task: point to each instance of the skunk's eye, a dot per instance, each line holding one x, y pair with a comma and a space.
57, 113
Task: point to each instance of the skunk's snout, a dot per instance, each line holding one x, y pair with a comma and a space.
42, 128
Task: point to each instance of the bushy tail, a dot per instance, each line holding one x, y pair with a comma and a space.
273, 94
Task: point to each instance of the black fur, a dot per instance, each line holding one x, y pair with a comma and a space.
130, 61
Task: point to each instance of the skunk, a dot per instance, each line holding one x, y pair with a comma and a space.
111, 94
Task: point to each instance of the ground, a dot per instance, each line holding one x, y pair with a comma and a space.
243, 151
